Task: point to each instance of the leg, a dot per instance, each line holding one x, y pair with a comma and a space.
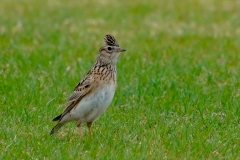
89, 124
79, 124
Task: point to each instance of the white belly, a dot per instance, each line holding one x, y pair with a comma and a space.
93, 106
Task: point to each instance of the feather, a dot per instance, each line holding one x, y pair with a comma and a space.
110, 40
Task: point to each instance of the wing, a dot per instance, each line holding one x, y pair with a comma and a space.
79, 92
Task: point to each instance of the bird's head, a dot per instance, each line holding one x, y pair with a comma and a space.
110, 51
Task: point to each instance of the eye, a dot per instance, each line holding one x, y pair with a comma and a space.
109, 48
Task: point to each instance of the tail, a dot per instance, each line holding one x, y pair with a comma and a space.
57, 118
56, 128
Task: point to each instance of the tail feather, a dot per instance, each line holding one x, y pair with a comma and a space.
57, 118
56, 128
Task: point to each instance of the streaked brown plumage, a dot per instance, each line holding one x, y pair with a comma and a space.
95, 91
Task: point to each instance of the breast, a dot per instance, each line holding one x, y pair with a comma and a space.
94, 105
105, 95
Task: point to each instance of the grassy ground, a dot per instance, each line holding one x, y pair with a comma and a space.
178, 93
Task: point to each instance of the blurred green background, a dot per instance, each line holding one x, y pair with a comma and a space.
178, 83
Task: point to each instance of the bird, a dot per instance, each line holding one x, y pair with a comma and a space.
94, 93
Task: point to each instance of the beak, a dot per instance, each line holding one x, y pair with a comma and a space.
121, 50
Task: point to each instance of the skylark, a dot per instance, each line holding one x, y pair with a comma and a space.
95, 91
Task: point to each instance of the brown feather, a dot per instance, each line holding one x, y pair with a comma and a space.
110, 40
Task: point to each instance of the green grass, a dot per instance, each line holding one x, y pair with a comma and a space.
178, 94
